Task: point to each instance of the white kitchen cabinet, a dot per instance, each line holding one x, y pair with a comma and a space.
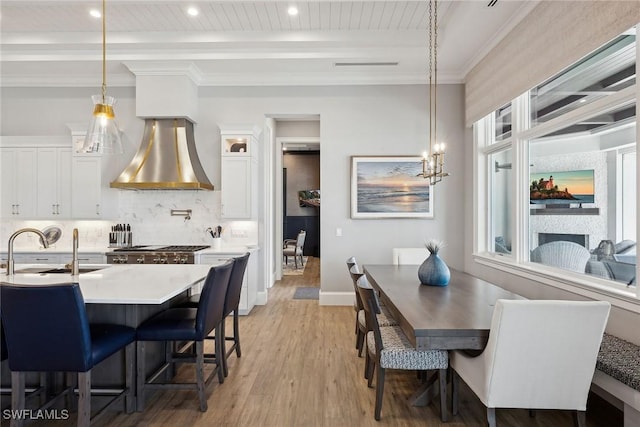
249, 283
45, 257
236, 187
39, 182
238, 171
86, 180
54, 182
89, 198
19, 176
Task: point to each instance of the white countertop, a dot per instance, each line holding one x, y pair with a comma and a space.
121, 284
239, 250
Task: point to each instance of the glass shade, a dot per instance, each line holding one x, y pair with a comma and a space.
103, 135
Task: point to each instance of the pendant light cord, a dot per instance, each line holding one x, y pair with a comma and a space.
104, 50
433, 71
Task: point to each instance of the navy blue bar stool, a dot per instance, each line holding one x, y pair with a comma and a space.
186, 324
47, 330
231, 304
4, 354
40, 390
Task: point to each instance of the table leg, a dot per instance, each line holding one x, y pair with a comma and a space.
426, 392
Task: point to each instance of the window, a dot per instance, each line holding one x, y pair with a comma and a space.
501, 185
573, 187
561, 185
607, 71
629, 191
503, 123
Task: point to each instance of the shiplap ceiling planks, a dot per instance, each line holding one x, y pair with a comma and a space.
249, 42
138, 16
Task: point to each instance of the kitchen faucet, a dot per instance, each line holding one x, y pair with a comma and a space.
75, 264
10, 263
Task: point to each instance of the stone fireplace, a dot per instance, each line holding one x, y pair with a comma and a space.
581, 239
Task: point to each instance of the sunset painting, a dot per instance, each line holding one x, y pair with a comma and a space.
389, 187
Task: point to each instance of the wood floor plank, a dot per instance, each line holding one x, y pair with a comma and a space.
299, 367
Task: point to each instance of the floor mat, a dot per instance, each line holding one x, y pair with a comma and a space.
307, 293
289, 269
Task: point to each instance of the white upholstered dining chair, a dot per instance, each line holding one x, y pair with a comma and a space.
409, 256
540, 355
294, 248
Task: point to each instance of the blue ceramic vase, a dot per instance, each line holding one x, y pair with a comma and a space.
434, 271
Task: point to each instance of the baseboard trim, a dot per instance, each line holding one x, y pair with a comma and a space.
336, 298
261, 298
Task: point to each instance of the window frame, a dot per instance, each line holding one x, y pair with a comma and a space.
521, 134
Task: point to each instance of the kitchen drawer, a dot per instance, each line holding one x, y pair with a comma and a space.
90, 258
51, 258
43, 258
215, 259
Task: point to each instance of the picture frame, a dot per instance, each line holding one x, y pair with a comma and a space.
389, 187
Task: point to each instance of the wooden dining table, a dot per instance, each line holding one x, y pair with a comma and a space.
453, 317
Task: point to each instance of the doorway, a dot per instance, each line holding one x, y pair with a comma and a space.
301, 200
296, 133
300, 155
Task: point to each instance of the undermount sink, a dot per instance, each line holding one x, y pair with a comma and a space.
57, 270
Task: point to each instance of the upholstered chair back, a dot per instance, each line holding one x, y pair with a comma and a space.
542, 354
235, 283
212, 298
409, 256
46, 320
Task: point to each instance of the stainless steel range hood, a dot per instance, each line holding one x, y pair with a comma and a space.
166, 159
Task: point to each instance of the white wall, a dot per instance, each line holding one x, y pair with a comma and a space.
360, 120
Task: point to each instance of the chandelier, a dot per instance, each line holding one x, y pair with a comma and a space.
433, 160
103, 135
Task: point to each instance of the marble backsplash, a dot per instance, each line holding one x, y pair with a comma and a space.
149, 214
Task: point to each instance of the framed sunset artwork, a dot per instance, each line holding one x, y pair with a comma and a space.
389, 187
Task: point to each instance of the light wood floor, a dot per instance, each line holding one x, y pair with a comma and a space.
299, 367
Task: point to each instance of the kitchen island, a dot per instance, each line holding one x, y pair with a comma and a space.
123, 294
118, 284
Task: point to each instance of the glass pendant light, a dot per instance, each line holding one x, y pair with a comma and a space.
103, 135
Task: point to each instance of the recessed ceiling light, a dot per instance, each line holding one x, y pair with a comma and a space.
193, 11
292, 11
582, 100
95, 13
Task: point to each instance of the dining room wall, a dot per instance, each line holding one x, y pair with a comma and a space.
354, 120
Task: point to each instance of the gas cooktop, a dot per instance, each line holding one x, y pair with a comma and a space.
159, 248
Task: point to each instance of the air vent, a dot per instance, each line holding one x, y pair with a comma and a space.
365, 64
492, 3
